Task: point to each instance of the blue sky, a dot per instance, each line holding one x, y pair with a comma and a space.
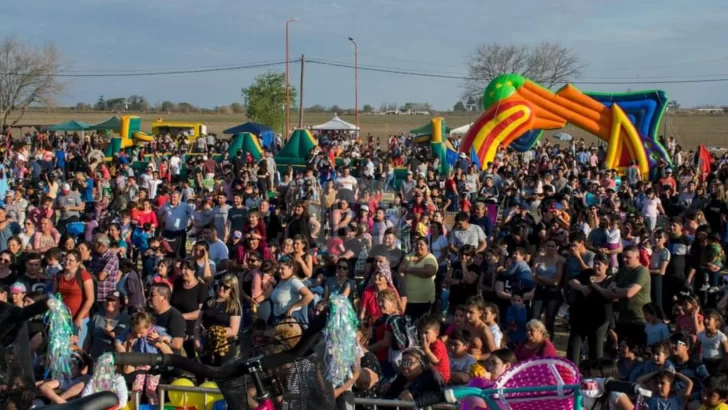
618, 40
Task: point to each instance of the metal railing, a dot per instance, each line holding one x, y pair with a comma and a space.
374, 403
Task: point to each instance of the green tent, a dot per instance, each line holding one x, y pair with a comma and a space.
70, 126
248, 143
113, 124
297, 149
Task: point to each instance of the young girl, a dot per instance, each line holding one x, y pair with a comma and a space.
691, 321
458, 321
143, 337
614, 241
490, 317
655, 328
605, 368
659, 259
661, 383
713, 342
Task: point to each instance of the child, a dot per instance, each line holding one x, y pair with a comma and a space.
690, 322
715, 393
519, 271
151, 257
660, 353
423, 225
655, 328
490, 317
140, 239
460, 360
713, 342
614, 241
628, 360
458, 321
434, 349
516, 317
143, 337
660, 383
465, 203
99, 382
713, 256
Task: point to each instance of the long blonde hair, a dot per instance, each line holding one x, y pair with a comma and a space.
232, 304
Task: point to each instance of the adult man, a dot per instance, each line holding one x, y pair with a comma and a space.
46, 238
220, 214
466, 233
579, 258
273, 226
33, 278
347, 186
174, 218
218, 250
70, 204
105, 266
632, 287
166, 317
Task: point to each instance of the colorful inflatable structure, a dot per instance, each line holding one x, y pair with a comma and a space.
517, 110
247, 142
297, 149
435, 133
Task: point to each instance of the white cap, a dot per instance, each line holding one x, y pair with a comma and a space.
66, 187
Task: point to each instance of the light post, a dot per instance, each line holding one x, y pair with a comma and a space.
356, 83
288, 90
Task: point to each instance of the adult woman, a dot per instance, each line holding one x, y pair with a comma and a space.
290, 298
419, 269
27, 234
548, 269
145, 215
591, 319
340, 284
116, 239
219, 323
537, 343
380, 280
300, 256
303, 224
106, 326
188, 296
255, 259
651, 209
462, 277
370, 371
341, 217
204, 266
78, 297
415, 379
382, 341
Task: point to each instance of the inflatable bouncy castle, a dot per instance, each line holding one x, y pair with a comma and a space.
517, 110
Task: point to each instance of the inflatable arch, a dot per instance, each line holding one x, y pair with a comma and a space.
517, 110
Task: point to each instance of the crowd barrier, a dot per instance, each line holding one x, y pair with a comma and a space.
374, 404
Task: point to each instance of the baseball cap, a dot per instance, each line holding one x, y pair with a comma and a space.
66, 187
17, 287
237, 234
364, 208
115, 295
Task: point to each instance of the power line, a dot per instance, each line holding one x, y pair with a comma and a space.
458, 77
161, 73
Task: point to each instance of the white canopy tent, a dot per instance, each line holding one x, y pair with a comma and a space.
461, 130
337, 124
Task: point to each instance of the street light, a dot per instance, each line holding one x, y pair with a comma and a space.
288, 90
356, 82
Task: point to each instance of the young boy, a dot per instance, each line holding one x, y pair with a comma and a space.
715, 393
435, 351
460, 360
519, 272
516, 317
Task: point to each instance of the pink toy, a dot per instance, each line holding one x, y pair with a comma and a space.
476, 403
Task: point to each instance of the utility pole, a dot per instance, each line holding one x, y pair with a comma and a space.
300, 87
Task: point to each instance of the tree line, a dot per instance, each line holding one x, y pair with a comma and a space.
140, 104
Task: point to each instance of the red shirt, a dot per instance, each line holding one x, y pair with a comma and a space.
369, 303
546, 349
149, 217
440, 351
72, 293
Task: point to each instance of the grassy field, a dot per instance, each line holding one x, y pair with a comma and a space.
689, 130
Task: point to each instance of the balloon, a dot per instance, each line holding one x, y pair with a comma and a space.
179, 398
210, 399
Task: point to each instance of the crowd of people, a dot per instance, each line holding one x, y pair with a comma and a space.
198, 254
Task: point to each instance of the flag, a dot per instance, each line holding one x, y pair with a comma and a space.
705, 161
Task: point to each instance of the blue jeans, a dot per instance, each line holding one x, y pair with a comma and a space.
83, 331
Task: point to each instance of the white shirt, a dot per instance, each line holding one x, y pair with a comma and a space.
347, 182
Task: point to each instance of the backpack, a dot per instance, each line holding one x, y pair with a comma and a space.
404, 331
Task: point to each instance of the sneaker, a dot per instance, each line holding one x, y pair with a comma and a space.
713, 289
704, 287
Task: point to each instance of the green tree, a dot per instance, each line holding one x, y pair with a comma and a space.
459, 107
367, 108
266, 97
237, 108
100, 104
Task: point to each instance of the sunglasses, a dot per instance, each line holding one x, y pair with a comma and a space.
253, 260
224, 286
342, 267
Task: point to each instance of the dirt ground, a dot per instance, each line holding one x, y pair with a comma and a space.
711, 130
